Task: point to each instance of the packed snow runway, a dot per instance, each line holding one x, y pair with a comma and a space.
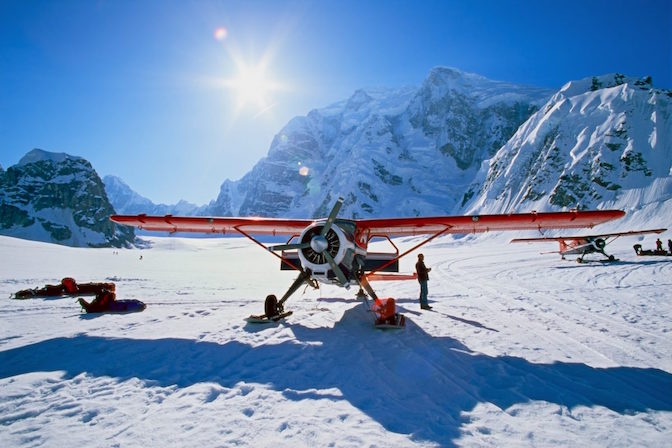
520, 350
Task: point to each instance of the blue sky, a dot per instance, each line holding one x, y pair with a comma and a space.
150, 91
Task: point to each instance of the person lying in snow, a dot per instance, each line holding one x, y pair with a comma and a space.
102, 302
67, 287
106, 302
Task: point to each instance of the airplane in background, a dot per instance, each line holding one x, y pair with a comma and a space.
335, 251
584, 245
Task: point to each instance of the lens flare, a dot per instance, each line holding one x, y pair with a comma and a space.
304, 171
221, 33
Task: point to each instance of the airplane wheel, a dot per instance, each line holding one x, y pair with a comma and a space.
271, 306
611, 258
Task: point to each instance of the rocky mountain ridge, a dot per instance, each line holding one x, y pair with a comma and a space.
59, 198
457, 144
127, 202
598, 142
401, 152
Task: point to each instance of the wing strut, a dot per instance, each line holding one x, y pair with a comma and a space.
250, 237
383, 266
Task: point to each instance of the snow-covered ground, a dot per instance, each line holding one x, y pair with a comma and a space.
520, 350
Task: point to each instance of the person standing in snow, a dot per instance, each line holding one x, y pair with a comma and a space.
659, 245
423, 278
669, 246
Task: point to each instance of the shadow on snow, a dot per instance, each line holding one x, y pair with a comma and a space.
410, 382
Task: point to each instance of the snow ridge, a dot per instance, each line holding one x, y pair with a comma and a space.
601, 142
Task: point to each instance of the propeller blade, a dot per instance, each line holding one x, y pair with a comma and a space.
332, 216
334, 267
289, 246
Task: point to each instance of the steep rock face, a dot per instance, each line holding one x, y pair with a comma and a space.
469, 117
58, 198
601, 141
405, 152
463, 144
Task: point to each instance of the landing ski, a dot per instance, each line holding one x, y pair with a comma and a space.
264, 319
396, 322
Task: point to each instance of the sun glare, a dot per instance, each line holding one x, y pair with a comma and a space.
252, 88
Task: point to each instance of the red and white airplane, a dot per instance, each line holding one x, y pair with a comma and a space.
584, 245
335, 251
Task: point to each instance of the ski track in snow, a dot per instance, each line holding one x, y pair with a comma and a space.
520, 350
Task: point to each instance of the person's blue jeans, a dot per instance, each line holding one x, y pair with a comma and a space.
423, 292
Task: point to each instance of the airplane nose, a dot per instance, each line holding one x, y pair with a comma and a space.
319, 244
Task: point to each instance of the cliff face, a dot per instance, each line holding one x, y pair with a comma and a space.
58, 198
463, 144
400, 152
598, 142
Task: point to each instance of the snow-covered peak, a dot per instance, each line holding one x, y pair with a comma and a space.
591, 84
114, 181
449, 76
126, 201
358, 99
600, 142
376, 148
37, 155
445, 81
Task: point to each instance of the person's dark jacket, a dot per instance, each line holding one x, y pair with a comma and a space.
423, 272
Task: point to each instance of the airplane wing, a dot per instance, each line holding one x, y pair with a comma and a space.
385, 226
583, 238
485, 223
224, 225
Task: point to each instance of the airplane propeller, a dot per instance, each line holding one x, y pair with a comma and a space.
600, 243
320, 243
332, 217
334, 267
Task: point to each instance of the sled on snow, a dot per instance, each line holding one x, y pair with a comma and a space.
112, 306
650, 252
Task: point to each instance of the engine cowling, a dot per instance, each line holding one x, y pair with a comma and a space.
599, 244
313, 257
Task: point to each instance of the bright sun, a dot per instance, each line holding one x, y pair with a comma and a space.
253, 89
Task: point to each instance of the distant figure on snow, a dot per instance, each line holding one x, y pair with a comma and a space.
423, 278
669, 246
659, 245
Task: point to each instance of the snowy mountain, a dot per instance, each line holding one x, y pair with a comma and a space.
598, 142
56, 197
405, 152
126, 201
461, 143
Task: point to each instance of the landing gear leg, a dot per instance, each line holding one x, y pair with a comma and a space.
385, 310
364, 283
608, 257
362, 296
304, 277
274, 309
